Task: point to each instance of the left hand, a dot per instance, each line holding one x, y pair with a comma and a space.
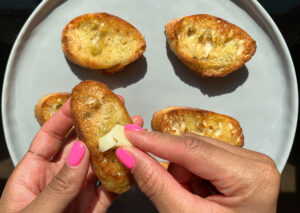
38, 184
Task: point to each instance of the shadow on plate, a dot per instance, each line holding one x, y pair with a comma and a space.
129, 75
132, 201
208, 86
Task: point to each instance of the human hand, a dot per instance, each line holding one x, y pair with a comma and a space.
65, 184
245, 181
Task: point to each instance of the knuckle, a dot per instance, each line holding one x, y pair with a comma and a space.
268, 175
149, 184
148, 180
192, 144
263, 158
271, 181
257, 174
62, 183
156, 135
269, 161
272, 174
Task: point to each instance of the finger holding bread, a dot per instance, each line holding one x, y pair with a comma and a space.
102, 41
246, 153
155, 181
196, 155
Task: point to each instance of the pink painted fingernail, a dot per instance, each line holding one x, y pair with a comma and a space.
76, 154
126, 158
133, 127
121, 98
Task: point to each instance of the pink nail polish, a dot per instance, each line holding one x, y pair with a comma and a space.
122, 99
133, 127
126, 158
76, 154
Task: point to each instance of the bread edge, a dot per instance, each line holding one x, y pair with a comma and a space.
38, 107
194, 64
110, 70
159, 118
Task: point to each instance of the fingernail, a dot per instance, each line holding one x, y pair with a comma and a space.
126, 158
133, 127
122, 99
76, 154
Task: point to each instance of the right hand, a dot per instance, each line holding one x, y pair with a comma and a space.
245, 181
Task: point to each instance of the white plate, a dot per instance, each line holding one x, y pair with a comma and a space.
262, 95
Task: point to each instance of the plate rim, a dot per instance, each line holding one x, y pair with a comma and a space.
259, 10
7, 75
294, 85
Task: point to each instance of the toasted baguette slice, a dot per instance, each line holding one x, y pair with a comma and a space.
48, 105
209, 45
179, 120
96, 110
102, 41
165, 164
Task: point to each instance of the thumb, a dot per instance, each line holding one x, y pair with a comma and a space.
67, 183
155, 182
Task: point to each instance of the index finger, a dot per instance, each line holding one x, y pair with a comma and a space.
198, 156
235, 149
49, 139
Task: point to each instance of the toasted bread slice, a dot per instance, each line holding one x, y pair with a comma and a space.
96, 110
179, 120
102, 41
209, 45
165, 164
48, 105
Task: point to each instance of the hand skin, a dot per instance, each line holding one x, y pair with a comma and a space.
245, 181
38, 185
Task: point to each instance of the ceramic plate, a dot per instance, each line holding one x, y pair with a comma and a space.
262, 95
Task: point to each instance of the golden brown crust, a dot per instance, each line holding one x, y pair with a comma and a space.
209, 45
96, 110
179, 120
165, 164
170, 33
48, 105
102, 41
